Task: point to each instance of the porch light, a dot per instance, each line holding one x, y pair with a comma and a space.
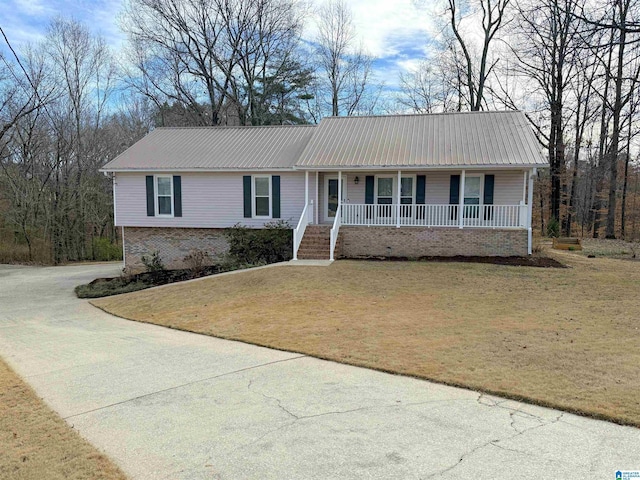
356, 180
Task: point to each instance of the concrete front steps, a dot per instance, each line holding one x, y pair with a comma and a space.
316, 243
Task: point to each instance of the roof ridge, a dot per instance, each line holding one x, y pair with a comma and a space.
433, 114
230, 127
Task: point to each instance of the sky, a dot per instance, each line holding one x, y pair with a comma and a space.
395, 32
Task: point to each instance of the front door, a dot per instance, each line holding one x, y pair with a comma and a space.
331, 196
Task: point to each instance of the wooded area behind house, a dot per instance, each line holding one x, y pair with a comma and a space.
69, 103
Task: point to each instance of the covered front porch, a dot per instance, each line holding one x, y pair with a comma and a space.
461, 199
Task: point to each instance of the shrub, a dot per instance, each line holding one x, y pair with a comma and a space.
271, 244
105, 251
153, 264
553, 228
127, 274
197, 260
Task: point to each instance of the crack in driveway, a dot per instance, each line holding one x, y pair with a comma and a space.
241, 370
495, 442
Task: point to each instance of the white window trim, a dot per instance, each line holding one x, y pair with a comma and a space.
414, 188
394, 194
253, 197
393, 188
156, 192
481, 177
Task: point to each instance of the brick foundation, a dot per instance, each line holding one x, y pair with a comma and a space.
420, 241
173, 244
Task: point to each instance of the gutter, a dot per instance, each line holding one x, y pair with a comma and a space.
371, 168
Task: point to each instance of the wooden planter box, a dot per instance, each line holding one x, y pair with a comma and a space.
567, 244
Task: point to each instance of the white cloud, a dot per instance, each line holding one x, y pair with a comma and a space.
410, 64
384, 26
32, 7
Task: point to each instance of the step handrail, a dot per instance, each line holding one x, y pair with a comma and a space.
334, 232
298, 232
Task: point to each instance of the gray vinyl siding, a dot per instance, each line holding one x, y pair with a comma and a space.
508, 188
209, 200
215, 200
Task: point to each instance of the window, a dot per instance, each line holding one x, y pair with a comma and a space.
385, 190
406, 190
262, 196
164, 196
472, 196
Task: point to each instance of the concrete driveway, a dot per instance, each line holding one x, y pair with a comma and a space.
175, 405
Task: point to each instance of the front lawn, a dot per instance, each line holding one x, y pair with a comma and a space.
566, 338
37, 444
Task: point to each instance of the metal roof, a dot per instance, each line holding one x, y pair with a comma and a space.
215, 148
471, 139
431, 140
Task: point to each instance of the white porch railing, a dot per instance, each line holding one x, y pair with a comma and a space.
305, 219
334, 231
485, 216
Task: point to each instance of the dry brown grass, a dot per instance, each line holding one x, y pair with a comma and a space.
566, 338
36, 444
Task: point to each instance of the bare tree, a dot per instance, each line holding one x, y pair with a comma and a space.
584, 112
620, 18
233, 50
477, 69
545, 43
427, 89
345, 68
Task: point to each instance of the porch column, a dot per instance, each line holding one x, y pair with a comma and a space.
461, 200
530, 210
524, 188
306, 188
398, 199
317, 205
339, 191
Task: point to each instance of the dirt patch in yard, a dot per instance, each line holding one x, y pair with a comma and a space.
603, 247
36, 444
562, 337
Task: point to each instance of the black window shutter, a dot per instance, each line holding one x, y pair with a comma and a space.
454, 195
150, 197
177, 196
368, 189
454, 190
275, 196
489, 181
246, 186
421, 183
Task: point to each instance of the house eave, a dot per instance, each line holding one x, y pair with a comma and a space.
370, 168
421, 167
196, 170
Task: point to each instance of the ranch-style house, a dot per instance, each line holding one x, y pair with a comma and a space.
393, 186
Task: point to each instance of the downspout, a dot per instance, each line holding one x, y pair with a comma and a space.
115, 221
317, 209
530, 212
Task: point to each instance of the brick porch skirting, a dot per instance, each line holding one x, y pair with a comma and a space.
421, 241
173, 244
